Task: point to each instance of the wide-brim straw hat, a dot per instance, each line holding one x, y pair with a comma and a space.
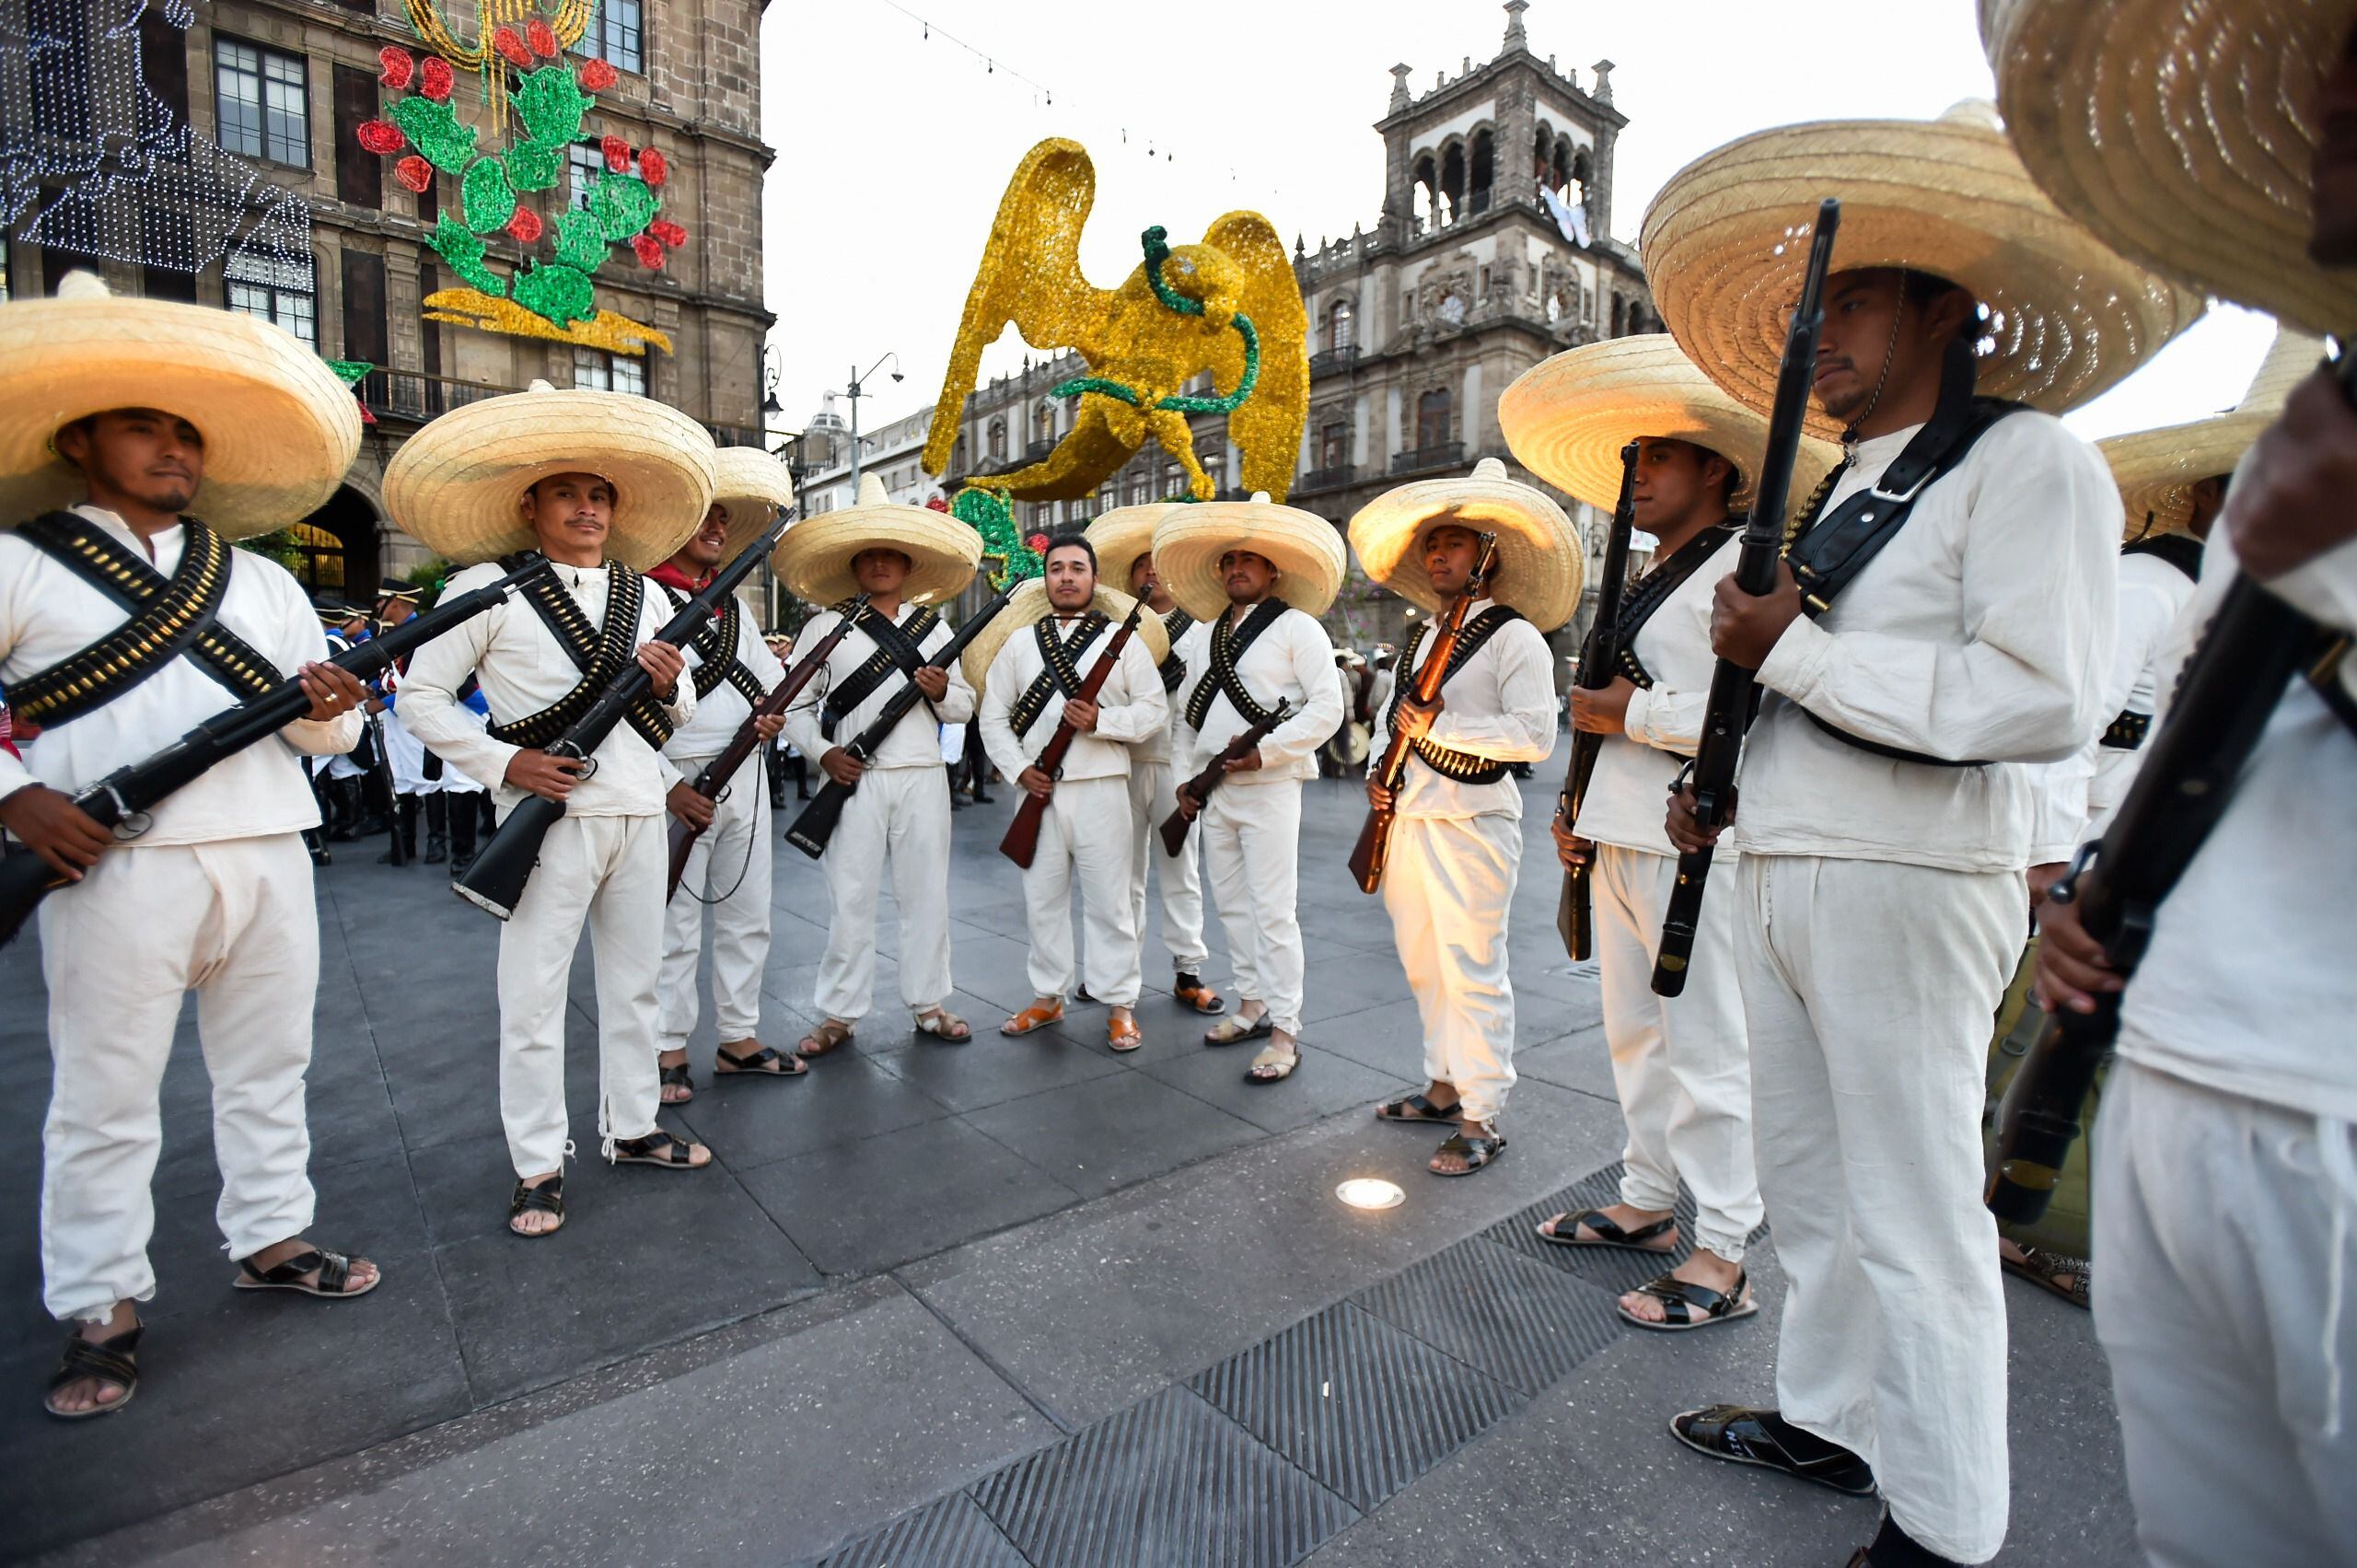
752, 485
1727, 241
2157, 469
1567, 417
279, 428
1122, 535
2181, 133
1543, 565
457, 485
1030, 603
1304, 547
814, 558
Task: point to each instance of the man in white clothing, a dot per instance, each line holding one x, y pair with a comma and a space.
1455, 846
215, 895
1030, 686
1258, 575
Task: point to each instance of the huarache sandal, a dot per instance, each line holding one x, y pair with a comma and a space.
767, 1063
1685, 1305
1475, 1152
100, 1360
1563, 1231
1416, 1108
943, 1024
2046, 1270
1191, 990
1233, 1031
1745, 1435
1274, 1065
659, 1148
335, 1270
1033, 1017
676, 1077
1121, 1034
824, 1039
548, 1198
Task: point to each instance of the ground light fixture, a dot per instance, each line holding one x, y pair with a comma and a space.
1369, 1192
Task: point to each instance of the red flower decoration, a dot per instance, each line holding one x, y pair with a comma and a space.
597, 75
381, 136
398, 67
650, 252
537, 33
1038, 543
937, 504
525, 224
414, 172
652, 169
617, 153
438, 79
669, 233
511, 48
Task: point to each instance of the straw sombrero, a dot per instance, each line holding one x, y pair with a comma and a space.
1566, 419
1726, 242
1123, 534
457, 485
752, 485
1190, 541
2157, 469
279, 428
1031, 602
2180, 132
1543, 565
814, 558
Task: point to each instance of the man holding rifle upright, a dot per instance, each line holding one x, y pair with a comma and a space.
1456, 848
491, 481
124, 623
728, 869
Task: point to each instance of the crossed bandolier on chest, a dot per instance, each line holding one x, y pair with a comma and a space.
896, 648
1464, 767
1060, 655
599, 654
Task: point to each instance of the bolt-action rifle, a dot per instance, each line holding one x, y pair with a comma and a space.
1599, 662
1022, 840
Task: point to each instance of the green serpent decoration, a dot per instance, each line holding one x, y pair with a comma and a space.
1157, 250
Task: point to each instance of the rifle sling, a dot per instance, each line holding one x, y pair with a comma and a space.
599, 653
1464, 767
1060, 658
1649, 592
896, 648
1229, 643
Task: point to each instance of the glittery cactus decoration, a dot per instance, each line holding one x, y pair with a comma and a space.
1007, 556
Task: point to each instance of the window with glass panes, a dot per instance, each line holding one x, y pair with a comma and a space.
262, 107
618, 35
585, 164
597, 371
283, 292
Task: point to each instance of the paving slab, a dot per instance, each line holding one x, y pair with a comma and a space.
1110, 1132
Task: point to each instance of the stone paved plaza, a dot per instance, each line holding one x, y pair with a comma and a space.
1019, 1301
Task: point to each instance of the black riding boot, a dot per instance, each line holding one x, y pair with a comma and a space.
343, 810
401, 835
462, 832
437, 827
316, 841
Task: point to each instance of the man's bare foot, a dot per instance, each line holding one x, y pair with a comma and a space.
536, 1222
675, 1093
1628, 1216
363, 1273
86, 1394
1446, 1164
1704, 1268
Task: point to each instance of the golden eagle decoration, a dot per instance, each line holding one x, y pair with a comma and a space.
1229, 306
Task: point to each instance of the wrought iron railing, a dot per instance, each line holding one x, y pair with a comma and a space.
1448, 455
1316, 479
1333, 359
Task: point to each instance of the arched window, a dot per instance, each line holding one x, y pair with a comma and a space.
1338, 325
998, 439
1043, 422
1619, 318
1452, 182
318, 563
1432, 419
1478, 178
1425, 193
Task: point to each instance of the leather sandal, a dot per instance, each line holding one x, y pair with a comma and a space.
1191, 990
1563, 1231
335, 1275
1274, 1065
1033, 1017
1685, 1305
103, 1361
1416, 1108
657, 1148
1235, 1031
943, 1024
1475, 1152
767, 1063
676, 1077
548, 1198
1744, 1434
2048, 1270
827, 1037
1122, 1034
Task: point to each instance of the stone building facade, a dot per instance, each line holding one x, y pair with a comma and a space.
282, 86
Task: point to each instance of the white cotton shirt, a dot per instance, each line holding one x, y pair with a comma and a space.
722, 712
523, 669
1130, 706
1499, 704
1156, 748
48, 614
915, 741
1983, 630
1292, 660
1627, 802
2152, 593
2247, 986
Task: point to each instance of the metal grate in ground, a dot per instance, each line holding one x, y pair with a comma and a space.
1522, 1324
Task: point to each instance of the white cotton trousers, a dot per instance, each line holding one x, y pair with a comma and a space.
1448, 884
1867, 991
1679, 1062
1088, 828
234, 922
1154, 795
2226, 1244
1252, 849
731, 857
899, 817
607, 871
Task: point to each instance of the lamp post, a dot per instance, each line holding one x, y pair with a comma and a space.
855, 393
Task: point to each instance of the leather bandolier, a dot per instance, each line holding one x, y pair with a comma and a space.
599, 653
1061, 673
1229, 643
1177, 623
896, 648
1649, 592
714, 644
1464, 767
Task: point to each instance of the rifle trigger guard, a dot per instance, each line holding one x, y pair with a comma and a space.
588, 763
128, 824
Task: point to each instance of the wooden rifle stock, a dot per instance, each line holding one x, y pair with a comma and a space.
814, 827
1599, 663
1375, 837
1022, 840
1200, 787
1728, 712
721, 769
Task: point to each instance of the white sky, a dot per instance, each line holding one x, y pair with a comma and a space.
893, 148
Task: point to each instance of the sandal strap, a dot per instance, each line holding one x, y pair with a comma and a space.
547, 1198
335, 1271
108, 1361
678, 1073
1275, 1056
657, 1145
1684, 1298
1475, 1152
765, 1060
1602, 1225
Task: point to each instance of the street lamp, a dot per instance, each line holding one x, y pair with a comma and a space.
855, 394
